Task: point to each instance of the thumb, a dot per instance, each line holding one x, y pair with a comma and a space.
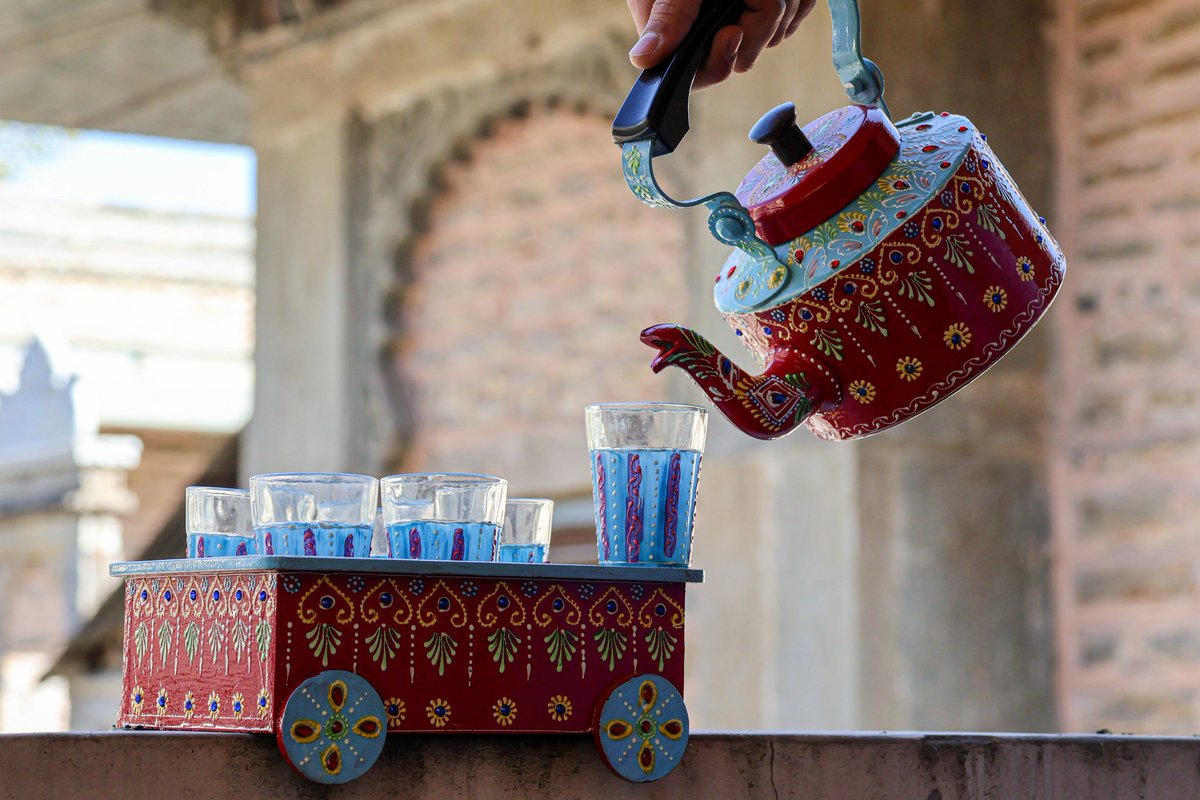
666, 24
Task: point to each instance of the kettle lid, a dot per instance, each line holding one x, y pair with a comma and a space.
814, 172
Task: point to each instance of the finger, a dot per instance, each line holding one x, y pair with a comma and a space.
667, 22
719, 64
758, 24
640, 10
806, 6
789, 13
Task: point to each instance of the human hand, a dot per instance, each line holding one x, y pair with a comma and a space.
662, 24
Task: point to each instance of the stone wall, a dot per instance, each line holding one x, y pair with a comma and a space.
1127, 396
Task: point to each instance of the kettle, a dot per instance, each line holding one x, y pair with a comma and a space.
878, 267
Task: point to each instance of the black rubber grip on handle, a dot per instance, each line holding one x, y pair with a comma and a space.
657, 105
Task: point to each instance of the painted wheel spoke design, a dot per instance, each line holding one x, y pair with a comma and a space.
333, 727
642, 729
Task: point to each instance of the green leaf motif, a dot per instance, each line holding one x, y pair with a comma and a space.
262, 635
241, 639
828, 343
191, 640
383, 645
633, 159
611, 644
916, 285
822, 235
216, 639
798, 380
871, 316
141, 640
502, 644
642, 193
873, 200
166, 637
561, 646
440, 650
661, 645
989, 219
324, 640
958, 254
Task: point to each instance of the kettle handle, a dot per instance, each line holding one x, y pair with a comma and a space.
656, 108
860, 76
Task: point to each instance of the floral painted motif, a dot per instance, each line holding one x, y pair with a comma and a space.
214, 705
135, 701
504, 711
1025, 269
263, 703
862, 391
332, 727
559, 708
438, 712
160, 703
239, 705
394, 708
957, 336
995, 298
643, 728
909, 368
189, 705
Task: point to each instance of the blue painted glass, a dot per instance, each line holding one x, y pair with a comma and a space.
328, 539
444, 541
524, 553
645, 504
214, 545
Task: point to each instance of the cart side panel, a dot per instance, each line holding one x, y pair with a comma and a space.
199, 651
454, 654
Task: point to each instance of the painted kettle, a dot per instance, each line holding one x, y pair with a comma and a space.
878, 267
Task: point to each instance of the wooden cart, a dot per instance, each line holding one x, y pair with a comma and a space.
332, 655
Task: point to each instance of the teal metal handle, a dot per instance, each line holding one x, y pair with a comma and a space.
860, 77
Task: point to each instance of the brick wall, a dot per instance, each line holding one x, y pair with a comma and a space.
1126, 471
529, 288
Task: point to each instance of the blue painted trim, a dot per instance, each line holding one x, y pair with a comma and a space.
397, 566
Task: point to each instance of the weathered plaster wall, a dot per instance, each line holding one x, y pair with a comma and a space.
957, 619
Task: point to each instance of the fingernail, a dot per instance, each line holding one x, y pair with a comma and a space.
646, 45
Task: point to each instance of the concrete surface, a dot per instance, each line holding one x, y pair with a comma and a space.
845, 766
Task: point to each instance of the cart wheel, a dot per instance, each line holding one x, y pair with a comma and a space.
332, 728
642, 728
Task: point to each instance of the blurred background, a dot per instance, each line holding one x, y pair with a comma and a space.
242, 236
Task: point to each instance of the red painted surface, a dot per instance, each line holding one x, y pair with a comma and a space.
852, 146
546, 649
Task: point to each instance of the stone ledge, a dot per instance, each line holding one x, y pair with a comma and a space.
835, 766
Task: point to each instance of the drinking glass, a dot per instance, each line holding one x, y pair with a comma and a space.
526, 535
645, 460
451, 517
217, 522
314, 514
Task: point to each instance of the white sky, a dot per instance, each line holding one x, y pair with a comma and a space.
139, 171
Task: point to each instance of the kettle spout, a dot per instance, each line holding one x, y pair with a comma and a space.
766, 406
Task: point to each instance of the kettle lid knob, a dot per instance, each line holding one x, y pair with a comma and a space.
778, 129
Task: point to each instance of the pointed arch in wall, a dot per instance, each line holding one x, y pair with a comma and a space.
520, 170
